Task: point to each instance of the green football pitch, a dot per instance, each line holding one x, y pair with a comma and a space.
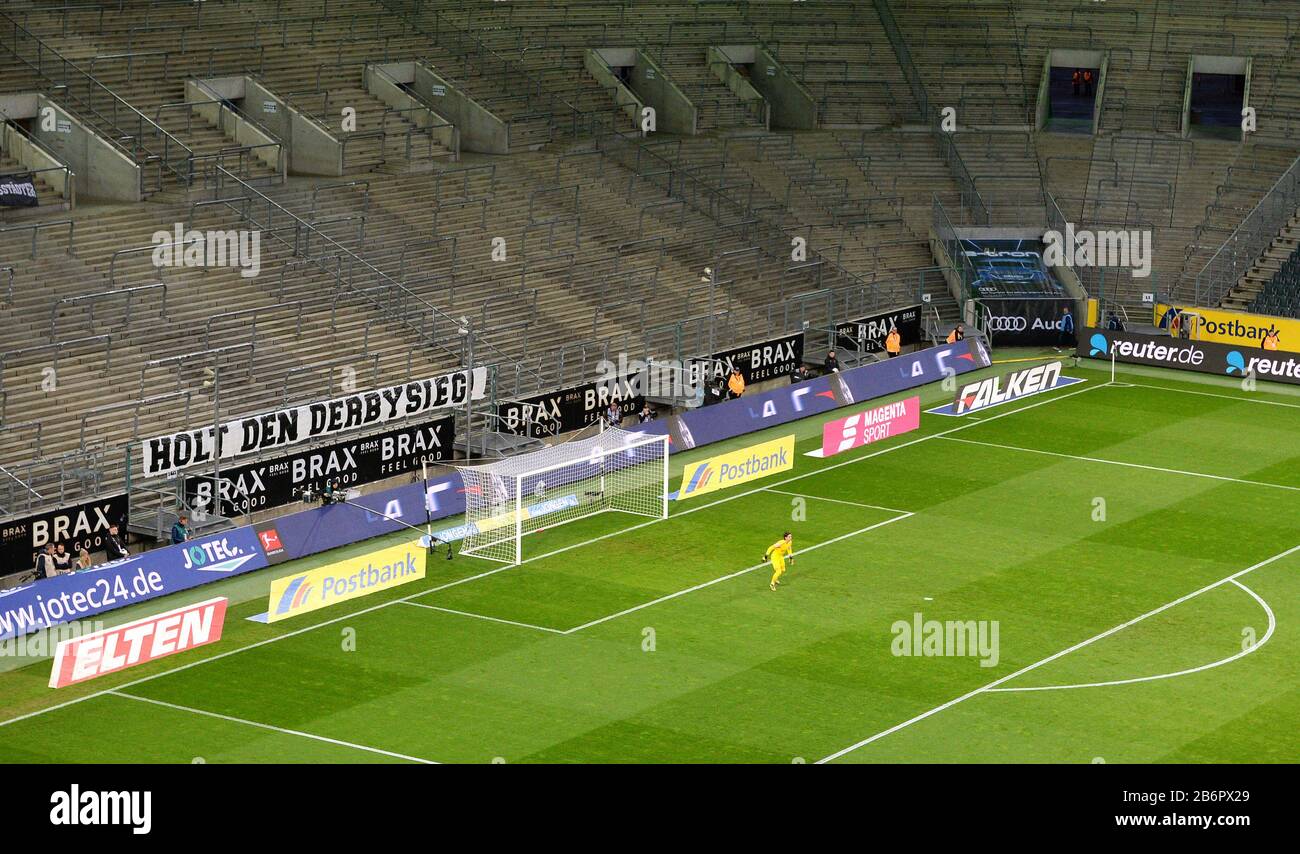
1134, 545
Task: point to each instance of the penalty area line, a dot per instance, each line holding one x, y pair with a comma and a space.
732, 575
282, 730
483, 617
246, 647
1124, 464
984, 689
836, 500
1272, 626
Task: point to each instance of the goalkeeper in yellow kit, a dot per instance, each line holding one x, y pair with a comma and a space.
777, 554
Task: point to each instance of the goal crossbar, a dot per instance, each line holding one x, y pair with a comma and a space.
505, 501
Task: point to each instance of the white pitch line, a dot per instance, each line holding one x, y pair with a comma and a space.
1272, 624
594, 540
730, 576
984, 689
1235, 397
357, 613
362, 611
282, 730
890, 449
836, 500
723, 500
1128, 465
348, 616
483, 617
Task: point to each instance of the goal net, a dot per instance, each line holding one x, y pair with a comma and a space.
507, 500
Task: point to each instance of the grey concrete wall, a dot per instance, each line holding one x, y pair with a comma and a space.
267, 149
103, 171
480, 130
18, 147
313, 150
1101, 92
947, 264
1219, 64
624, 97
792, 106
382, 82
722, 62
674, 112
1074, 58
1043, 106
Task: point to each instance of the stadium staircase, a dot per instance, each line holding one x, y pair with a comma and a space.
613, 243
969, 57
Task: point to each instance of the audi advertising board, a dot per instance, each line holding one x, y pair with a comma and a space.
1202, 356
1026, 322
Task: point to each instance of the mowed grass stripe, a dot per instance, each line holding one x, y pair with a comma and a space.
720, 626
738, 672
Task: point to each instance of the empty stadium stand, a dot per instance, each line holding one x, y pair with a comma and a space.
377, 244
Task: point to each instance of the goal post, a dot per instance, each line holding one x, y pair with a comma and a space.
505, 501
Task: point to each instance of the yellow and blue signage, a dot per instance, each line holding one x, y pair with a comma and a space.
1238, 328
737, 467
346, 579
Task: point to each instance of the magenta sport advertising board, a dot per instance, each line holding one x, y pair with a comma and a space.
870, 425
48, 602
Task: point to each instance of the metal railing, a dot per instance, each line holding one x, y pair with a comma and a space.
93, 299
36, 228
1249, 239
407, 308
130, 130
69, 190
53, 364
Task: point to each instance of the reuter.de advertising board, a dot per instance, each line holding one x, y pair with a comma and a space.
1202, 356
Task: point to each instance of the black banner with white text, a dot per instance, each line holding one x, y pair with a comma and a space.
766, 360
272, 483
244, 436
79, 526
571, 408
17, 191
867, 334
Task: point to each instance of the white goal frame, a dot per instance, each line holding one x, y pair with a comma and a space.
631, 477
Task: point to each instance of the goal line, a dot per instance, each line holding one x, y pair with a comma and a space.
616, 470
